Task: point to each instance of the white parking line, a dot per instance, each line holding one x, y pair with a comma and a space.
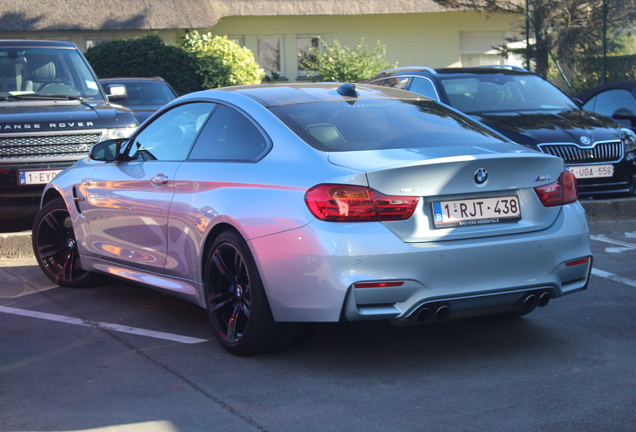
612, 276
104, 326
604, 239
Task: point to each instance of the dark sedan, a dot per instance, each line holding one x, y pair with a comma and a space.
143, 96
532, 112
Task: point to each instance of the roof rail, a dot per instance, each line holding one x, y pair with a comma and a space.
407, 68
503, 66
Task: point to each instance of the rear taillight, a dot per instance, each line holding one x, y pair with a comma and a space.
342, 203
564, 191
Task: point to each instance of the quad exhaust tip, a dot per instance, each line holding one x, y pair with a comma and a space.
544, 299
533, 300
440, 312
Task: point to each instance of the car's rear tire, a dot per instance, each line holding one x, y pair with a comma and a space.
237, 305
55, 247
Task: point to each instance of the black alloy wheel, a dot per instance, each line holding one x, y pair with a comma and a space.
55, 247
236, 301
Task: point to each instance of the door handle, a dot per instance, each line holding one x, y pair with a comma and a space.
159, 180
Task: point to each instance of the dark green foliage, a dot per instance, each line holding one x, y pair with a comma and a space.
147, 56
221, 62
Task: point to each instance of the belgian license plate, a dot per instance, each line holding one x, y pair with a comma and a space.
592, 171
36, 177
476, 211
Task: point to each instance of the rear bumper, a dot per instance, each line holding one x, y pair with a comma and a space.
327, 259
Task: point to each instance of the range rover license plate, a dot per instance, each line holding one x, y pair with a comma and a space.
476, 211
592, 171
36, 177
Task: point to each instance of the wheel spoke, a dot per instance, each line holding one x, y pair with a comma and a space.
223, 268
246, 310
49, 250
232, 322
215, 304
69, 265
54, 224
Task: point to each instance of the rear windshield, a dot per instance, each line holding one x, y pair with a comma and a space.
382, 124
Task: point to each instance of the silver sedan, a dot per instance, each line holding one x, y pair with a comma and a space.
272, 205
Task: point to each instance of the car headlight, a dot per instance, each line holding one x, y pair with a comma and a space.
115, 133
629, 139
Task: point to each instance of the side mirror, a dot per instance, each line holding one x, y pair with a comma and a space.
116, 92
107, 151
625, 114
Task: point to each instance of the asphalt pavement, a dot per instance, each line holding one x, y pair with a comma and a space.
120, 358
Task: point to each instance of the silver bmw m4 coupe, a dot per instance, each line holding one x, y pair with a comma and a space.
271, 205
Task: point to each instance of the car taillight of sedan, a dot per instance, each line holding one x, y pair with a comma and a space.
344, 203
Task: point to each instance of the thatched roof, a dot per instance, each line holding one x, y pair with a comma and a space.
326, 7
69, 15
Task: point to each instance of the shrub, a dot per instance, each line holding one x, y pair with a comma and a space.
342, 64
147, 56
221, 62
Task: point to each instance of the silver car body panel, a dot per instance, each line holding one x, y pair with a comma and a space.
129, 224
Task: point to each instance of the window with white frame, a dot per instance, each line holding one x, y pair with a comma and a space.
93, 41
239, 40
480, 48
304, 44
270, 54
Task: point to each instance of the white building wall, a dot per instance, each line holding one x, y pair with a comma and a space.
413, 39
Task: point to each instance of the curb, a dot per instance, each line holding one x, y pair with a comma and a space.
18, 245
620, 209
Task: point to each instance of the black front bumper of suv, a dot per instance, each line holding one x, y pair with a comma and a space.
18, 200
621, 183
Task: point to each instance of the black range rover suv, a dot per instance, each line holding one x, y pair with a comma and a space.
532, 112
52, 110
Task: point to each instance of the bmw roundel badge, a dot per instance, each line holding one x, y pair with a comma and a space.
481, 175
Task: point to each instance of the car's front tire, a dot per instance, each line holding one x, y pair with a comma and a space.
236, 302
55, 247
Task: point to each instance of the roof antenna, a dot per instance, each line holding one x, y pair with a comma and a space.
349, 90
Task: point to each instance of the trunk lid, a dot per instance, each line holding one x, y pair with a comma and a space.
451, 175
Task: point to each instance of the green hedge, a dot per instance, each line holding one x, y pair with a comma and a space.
618, 68
147, 56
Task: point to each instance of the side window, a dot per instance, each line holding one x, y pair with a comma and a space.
170, 136
395, 82
229, 135
424, 87
608, 102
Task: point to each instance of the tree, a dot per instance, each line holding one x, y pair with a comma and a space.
562, 27
221, 62
342, 64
